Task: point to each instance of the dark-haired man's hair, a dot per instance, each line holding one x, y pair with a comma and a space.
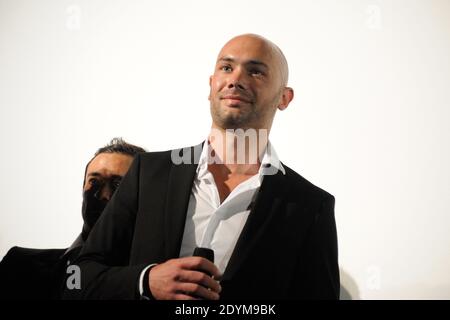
118, 145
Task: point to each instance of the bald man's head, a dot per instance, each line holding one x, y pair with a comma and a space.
248, 84
277, 55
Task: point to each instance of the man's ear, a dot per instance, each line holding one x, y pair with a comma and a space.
286, 98
210, 81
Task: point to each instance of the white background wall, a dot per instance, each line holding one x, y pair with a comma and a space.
369, 122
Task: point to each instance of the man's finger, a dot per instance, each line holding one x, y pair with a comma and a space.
198, 291
201, 264
199, 277
183, 296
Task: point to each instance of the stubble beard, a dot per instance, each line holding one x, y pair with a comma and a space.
243, 119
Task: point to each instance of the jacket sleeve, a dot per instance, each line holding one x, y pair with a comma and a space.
103, 263
318, 276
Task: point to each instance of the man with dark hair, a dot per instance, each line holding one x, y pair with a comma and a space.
38, 273
102, 176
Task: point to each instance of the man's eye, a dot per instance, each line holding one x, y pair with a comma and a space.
226, 68
94, 182
115, 184
255, 72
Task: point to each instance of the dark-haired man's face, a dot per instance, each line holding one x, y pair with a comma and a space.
105, 172
103, 176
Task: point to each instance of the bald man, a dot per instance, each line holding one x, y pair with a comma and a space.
268, 232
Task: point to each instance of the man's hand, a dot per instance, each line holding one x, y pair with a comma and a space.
185, 279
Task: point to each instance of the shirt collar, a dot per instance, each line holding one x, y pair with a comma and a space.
270, 163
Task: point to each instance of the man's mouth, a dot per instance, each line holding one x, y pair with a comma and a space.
235, 98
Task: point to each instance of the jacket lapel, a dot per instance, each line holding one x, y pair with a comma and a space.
267, 207
179, 188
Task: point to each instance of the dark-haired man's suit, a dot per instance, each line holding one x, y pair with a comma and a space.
34, 274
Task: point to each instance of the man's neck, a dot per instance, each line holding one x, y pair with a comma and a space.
237, 151
234, 156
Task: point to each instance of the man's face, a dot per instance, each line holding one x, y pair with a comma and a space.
246, 87
103, 175
105, 172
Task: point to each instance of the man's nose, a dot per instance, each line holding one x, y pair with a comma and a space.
236, 80
105, 192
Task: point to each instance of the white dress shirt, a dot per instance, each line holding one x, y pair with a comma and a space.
215, 225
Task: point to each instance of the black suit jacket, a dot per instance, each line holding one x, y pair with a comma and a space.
35, 274
286, 250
